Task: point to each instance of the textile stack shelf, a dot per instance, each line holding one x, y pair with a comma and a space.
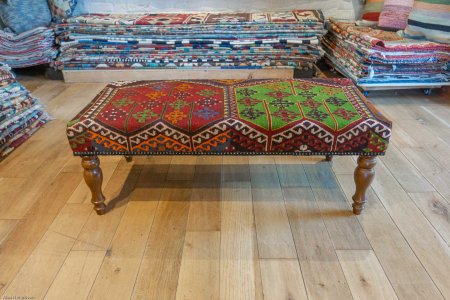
240, 42
380, 60
21, 114
30, 48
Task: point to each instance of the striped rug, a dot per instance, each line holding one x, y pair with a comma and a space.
430, 19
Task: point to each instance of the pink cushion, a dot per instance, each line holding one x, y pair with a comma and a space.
395, 14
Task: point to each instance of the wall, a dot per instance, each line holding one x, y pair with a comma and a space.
342, 9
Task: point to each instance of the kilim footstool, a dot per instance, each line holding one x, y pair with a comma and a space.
230, 117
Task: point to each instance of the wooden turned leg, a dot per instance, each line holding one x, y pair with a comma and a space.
128, 158
329, 157
94, 177
364, 174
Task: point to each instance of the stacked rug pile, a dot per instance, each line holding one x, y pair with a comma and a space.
373, 57
30, 48
197, 40
20, 113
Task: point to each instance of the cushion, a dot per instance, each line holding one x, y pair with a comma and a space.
395, 14
371, 11
62, 8
430, 19
276, 116
24, 15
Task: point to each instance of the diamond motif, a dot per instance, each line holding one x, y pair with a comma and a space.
179, 104
275, 86
181, 94
113, 114
329, 90
159, 86
183, 87
311, 103
307, 94
335, 101
304, 85
175, 116
144, 115
317, 115
249, 101
278, 94
251, 113
344, 114
280, 103
209, 102
246, 92
207, 93
155, 95
122, 102
206, 113
285, 115
150, 104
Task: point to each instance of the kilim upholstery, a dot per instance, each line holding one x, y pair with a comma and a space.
308, 117
240, 117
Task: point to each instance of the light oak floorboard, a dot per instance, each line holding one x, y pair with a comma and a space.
25, 236
98, 232
76, 276
421, 236
164, 250
365, 275
437, 210
199, 271
272, 226
118, 272
6, 226
240, 275
431, 169
182, 168
406, 174
402, 267
344, 229
41, 267
282, 279
204, 211
322, 273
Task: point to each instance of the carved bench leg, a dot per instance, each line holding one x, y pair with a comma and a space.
94, 177
128, 158
364, 174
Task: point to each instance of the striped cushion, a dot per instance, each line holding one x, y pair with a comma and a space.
395, 14
430, 19
372, 10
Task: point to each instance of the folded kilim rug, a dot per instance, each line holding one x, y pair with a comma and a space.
375, 57
198, 40
20, 113
30, 48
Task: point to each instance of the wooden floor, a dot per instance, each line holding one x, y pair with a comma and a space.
228, 227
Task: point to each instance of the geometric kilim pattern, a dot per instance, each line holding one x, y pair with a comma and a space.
271, 116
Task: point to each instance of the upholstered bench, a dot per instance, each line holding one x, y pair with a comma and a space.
230, 117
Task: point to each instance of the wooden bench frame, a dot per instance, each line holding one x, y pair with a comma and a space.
364, 175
